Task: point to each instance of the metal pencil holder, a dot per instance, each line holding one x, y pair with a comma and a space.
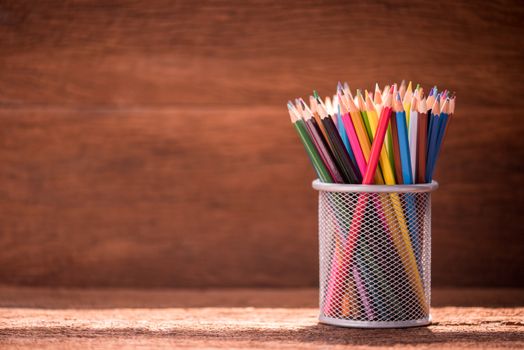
375, 254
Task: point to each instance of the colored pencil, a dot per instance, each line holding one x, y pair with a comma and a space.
352, 135
406, 101
313, 107
342, 131
402, 89
395, 147
361, 105
443, 122
314, 157
363, 293
362, 134
422, 135
384, 162
330, 110
378, 142
320, 144
377, 99
403, 141
434, 124
348, 169
403, 242
412, 134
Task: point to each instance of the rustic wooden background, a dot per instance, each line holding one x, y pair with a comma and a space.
147, 143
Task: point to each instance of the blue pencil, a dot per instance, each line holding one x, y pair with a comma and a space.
403, 142
432, 93
433, 132
443, 121
344, 136
407, 176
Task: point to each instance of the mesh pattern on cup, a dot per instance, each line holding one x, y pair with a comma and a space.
375, 256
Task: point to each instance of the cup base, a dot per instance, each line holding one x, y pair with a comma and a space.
374, 324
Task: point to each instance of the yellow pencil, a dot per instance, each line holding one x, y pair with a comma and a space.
405, 251
397, 223
406, 101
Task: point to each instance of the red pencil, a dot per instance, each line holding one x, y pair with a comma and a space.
422, 142
378, 142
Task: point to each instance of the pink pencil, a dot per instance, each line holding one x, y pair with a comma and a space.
339, 273
358, 216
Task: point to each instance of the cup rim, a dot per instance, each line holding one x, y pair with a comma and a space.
333, 187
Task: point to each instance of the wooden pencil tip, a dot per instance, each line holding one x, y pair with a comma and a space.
342, 103
321, 109
422, 106
388, 100
397, 104
435, 109
452, 105
329, 106
369, 103
444, 106
414, 102
339, 86
293, 113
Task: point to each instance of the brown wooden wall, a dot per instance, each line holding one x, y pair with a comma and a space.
148, 143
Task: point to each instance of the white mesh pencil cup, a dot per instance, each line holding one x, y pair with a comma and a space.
375, 254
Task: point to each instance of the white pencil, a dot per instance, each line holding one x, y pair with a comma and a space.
412, 135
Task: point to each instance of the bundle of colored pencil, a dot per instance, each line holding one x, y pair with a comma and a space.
391, 136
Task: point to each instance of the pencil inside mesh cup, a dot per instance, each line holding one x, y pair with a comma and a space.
370, 275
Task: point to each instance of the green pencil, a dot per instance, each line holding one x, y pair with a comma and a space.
312, 152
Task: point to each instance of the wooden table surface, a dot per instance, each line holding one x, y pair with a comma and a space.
242, 318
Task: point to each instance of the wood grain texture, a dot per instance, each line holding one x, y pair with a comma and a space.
126, 53
162, 298
121, 319
104, 182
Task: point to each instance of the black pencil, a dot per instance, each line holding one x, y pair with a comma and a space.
346, 165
